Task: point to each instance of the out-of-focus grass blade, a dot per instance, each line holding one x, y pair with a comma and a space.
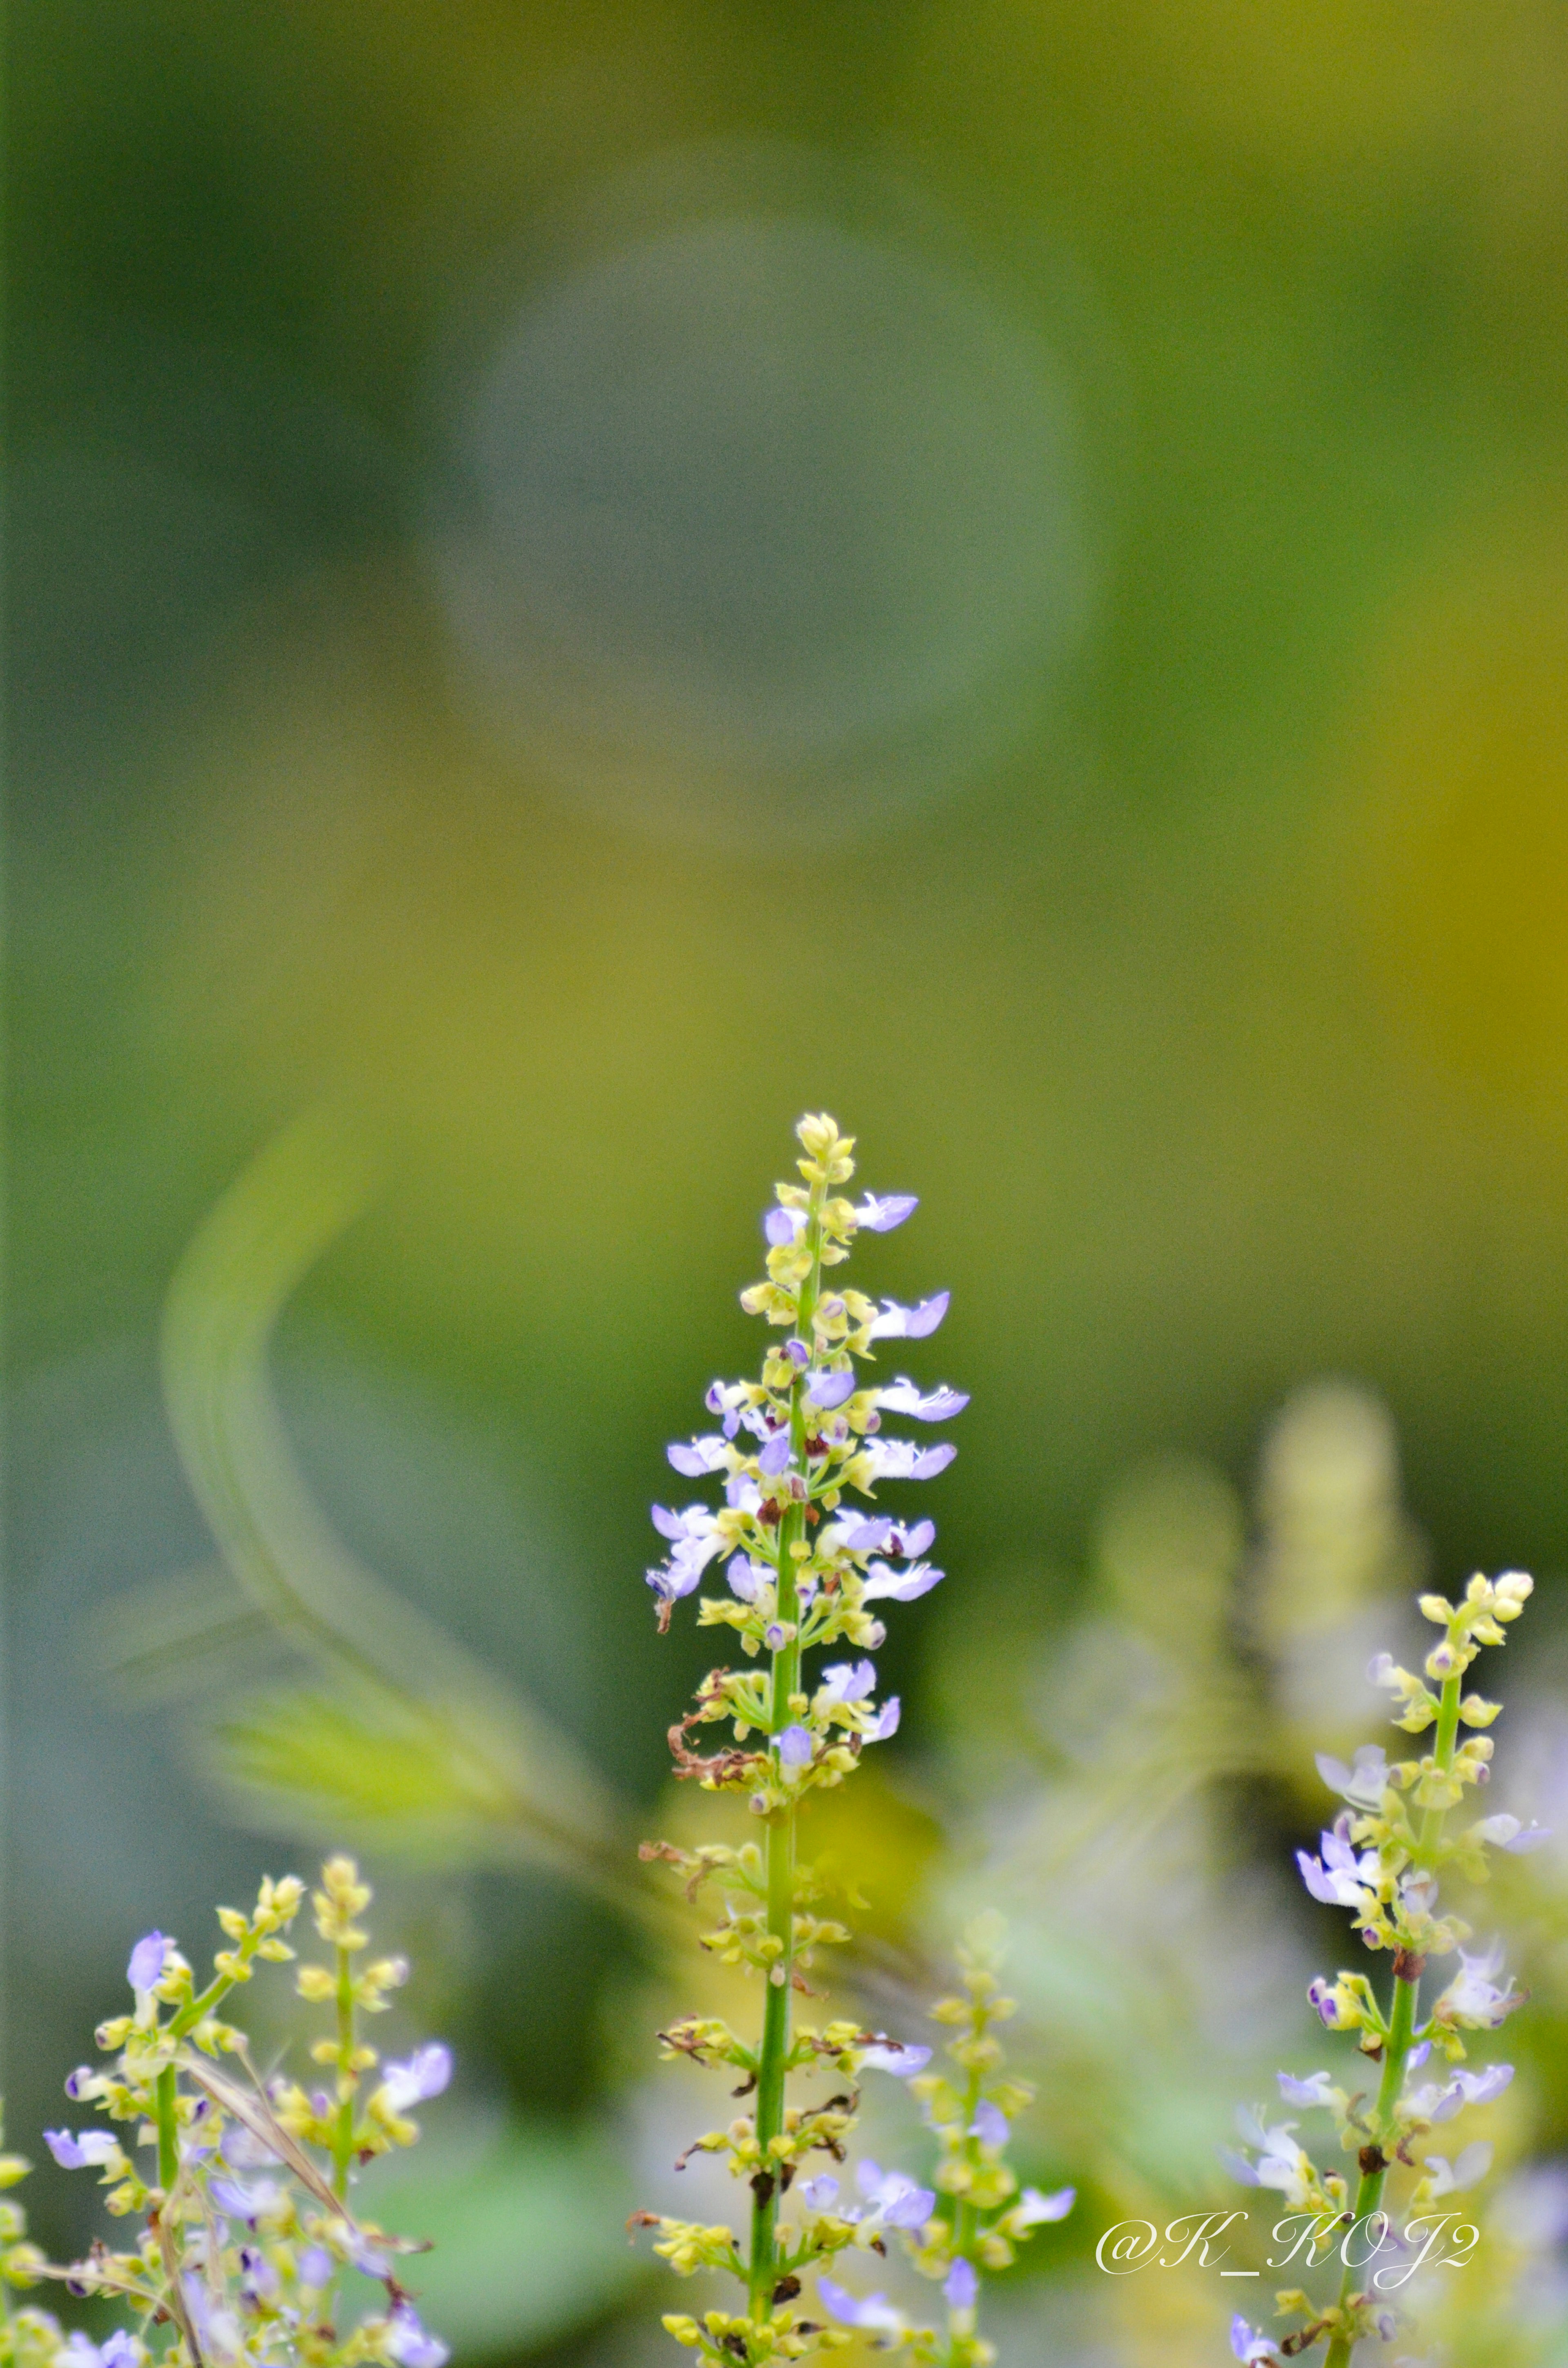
414, 1736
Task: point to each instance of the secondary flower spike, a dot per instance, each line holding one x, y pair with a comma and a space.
1388, 1857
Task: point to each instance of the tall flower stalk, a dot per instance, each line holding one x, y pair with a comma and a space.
803, 1569
1382, 1860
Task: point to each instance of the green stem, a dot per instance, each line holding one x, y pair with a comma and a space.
966, 2219
779, 1845
342, 2135
1402, 2017
168, 2129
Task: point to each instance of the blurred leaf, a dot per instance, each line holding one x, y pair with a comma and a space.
416, 1738
529, 2229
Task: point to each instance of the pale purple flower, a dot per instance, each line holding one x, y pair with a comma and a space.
729, 1400
881, 1534
879, 1213
423, 2075
990, 2124
819, 2194
1436, 2103
875, 2313
118, 2349
1363, 1785
1418, 2054
741, 1493
901, 1459
696, 1538
706, 1454
885, 1724
411, 2345
1317, 2088
1473, 1996
317, 2267
245, 2202
784, 1225
1280, 2163
80, 2083
892, 2196
1507, 1833
147, 1962
1254, 2350
847, 1681
828, 1389
747, 1579
775, 1456
795, 1747
258, 2278
1341, 1879
1467, 2170
243, 2150
366, 2259
91, 2148
79, 2351
896, 1323
891, 2055
800, 1356
960, 2286
901, 1585
1418, 1890
904, 1396
672, 1580
1032, 2209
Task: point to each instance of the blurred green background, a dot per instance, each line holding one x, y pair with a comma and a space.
585, 578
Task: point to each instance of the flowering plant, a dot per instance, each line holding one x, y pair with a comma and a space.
246, 2230
1382, 1859
805, 1570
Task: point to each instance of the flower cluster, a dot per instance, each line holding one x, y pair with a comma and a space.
803, 1568
247, 2229
1382, 1860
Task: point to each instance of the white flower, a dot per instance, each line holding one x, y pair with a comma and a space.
1467, 2170
905, 1396
1363, 1785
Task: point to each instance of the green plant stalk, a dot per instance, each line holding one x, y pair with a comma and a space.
168, 2129
1402, 2017
966, 2219
779, 1844
342, 2135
